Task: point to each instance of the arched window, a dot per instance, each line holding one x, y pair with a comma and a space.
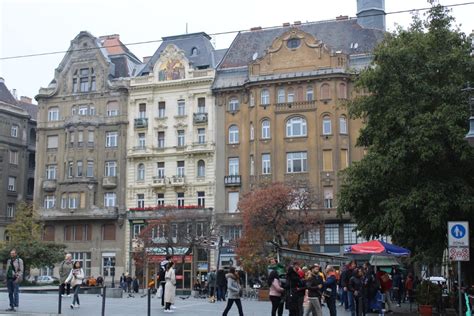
201, 168
264, 97
342, 91
194, 51
342, 125
141, 172
325, 93
252, 132
234, 104
296, 126
233, 134
327, 129
265, 129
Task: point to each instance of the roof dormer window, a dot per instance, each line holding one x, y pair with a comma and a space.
194, 51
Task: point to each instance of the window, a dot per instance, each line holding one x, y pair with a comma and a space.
10, 210
181, 140
265, 129
309, 94
234, 105
344, 158
180, 168
312, 237
252, 100
328, 197
233, 134
53, 114
266, 164
13, 157
201, 132
80, 138
112, 108
90, 169
291, 95
49, 201
141, 200
90, 137
161, 139
342, 91
180, 199
181, 108
11, 184
252, 165
85, 259
233, 201
264, 97
108, 232
160, 169
233, 166
201, 105
142, 110
51, 171
231, 232
79, 168
296, 162
161, 109
141, 140
331, 234
70, 169
110, 168
325, 93
137, 229
160, 199
295, 127
72, 138
201, 199
194, 51
281, 95
201, 168
110, 199
350, 233
108, 258
73, 200
14, 131
48, 233
74, 85
252, 132
83, 110
342, 125
64, 201
327, 130
84, 87
111, 139
293, 43
77, 233
141, 172
52, 142
327, 160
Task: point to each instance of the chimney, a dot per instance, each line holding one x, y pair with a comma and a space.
342, 17
146, 59
297, 23
14, 94
286, 24
256, 28
25, 99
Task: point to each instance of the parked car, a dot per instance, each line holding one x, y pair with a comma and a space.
45, 279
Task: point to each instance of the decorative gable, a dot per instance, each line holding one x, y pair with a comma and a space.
172, 64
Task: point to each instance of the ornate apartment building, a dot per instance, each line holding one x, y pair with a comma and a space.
81, 169
17, 154
280, 96
171, 154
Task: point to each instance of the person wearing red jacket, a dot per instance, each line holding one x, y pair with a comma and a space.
385, 287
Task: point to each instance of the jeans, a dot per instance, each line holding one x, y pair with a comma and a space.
13, 289
65, 288
231, 301
350, 301
277, 305
344, 299
221, 293
75, 299
331, 302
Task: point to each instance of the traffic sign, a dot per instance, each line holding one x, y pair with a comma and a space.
459, 253
458, 234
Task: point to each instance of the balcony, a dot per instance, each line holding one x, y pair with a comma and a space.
296, 106
49, 185
109, 182
158, 182
77, 119
141, 122
200, 118
232, 181
178, 181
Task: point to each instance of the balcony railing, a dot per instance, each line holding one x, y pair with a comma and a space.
141, 122
178, 180
109, 182
159, 181
200, 118
231, 181
49, 185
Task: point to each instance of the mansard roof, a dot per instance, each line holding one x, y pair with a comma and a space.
5, 94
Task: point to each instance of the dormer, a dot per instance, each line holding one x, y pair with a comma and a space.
172, 64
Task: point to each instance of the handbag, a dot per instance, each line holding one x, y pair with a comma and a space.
327, 293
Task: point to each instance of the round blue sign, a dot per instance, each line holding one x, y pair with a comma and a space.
458, 231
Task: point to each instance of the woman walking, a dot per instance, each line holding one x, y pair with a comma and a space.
170, 287
75, 278
233, 292
275, 293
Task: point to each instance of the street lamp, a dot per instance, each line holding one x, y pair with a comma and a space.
470, 135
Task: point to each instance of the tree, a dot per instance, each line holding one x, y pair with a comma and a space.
276, 213
24, 234
419, 171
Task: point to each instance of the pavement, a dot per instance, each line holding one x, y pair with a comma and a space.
47, 305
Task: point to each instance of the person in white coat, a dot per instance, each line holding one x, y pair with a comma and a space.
170, 287
75, 277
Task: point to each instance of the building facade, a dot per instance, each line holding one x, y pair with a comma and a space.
81, 169
17, 154
171, 155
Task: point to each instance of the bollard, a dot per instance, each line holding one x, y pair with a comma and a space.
103, 300
59, 300
149, 303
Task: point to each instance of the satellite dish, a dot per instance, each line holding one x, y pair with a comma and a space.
255, 55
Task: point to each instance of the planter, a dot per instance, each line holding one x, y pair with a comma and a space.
263, 294
425, 310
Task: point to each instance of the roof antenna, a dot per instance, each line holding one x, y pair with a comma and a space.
186, 27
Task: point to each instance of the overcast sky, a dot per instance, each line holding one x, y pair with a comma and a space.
38, 26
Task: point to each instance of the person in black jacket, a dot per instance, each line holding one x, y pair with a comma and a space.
294, 291
314, 284
356, 288
221, 284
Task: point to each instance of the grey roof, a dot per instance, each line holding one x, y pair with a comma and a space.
206, 56
31, 108
5, 94
337, 35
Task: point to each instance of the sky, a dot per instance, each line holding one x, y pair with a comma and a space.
41, 26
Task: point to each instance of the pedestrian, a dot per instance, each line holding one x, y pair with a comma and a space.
170, 287
234, 292
355, 288
212, 281
129, 281
314, 284
409, 288
346, 275
295, 290
100, 281
275, 292
370, 287
64, 269
123, 282
330, 290
135, 284
385, 287
14, 277
163, 265
75, 277
221, 283
397, 285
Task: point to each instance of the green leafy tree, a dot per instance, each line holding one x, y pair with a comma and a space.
419, 171
24, 234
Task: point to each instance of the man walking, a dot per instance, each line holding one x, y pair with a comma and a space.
64, 270
14, 277
163, 265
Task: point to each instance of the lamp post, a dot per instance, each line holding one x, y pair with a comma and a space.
470, 135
